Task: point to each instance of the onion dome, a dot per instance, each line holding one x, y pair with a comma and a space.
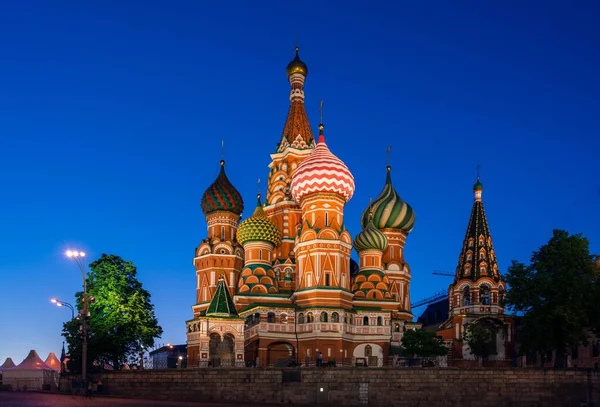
389, 210
258, 228
478, 185
370, 238
322, 171
222, 196
297, 66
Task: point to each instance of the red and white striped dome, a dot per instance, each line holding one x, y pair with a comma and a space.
322, 171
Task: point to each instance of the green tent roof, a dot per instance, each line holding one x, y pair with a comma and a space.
221, 304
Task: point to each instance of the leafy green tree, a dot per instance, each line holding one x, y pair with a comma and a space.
423, 343
121, 318
556, 295
480, 339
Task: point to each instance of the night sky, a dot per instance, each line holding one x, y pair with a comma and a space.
112, 116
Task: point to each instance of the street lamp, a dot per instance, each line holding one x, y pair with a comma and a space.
78, 257
60, 303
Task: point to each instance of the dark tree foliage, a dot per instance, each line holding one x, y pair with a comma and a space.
479, 337
557, 294
121, 318
423, 344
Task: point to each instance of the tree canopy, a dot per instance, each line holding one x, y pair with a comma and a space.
479, 337
423, 344
121, 318
558, 294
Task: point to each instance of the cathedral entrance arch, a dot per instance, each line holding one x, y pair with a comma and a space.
281, 354
221, 350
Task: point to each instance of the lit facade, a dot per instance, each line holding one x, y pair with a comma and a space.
280, 287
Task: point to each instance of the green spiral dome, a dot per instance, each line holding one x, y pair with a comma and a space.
389, 210
478, 185
370, 238
258, 228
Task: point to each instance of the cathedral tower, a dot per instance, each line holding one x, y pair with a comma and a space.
295, 145
396, 219
219, 254
478, 291
322, 185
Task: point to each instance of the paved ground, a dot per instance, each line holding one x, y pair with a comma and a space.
24, 399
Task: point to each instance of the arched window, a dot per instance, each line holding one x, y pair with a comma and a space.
283, 318
366, 321
327, 278
256, 318
484, 295
469, 255
310, 318
483, 269
396, 327
471, 242
379, 321
368, 351
271, 317
323, 317
301, 318
467, 296
335, 317
481, 254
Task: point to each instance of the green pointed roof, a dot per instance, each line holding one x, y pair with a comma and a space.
221, 304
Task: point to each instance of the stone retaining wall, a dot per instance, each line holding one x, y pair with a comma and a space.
478, 387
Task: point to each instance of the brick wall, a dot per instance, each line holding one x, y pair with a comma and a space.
367, 386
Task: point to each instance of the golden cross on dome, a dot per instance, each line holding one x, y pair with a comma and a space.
388, 153
478, 168
258, 192
222, 149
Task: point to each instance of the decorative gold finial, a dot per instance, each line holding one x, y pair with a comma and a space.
258, 188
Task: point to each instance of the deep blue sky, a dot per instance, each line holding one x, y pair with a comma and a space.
112, 116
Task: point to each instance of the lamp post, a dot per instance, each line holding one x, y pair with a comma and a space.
78, 257
60, 303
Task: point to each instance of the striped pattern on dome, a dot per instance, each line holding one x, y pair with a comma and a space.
389, 210
222, 196
258, 227
370, 238
322, 171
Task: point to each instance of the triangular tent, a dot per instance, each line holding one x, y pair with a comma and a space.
32, 362
8, 363
53, 361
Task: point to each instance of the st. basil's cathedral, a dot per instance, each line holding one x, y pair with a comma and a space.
280, 287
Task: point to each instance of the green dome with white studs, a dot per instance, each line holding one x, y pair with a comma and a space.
258, 228
478, 185
370, 238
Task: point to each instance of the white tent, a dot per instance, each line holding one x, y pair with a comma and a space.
7, 363
53, 362
31, 374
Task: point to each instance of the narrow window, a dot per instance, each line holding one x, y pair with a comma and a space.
327, 280
222, 232
366, 321
260, 254
326, 219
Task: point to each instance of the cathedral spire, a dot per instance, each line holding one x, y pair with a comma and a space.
296, 131
477, 258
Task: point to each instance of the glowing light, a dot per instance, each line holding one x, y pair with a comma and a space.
69, 253
59, 304
53, 300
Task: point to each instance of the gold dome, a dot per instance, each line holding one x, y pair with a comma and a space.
297, 66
